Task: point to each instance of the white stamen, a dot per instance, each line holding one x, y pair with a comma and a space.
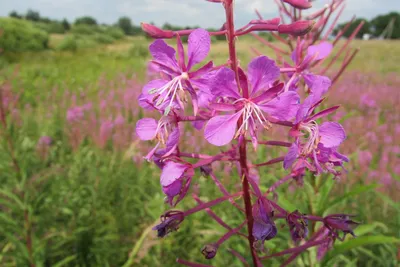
313, 136
173, 87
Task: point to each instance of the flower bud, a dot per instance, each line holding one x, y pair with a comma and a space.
297, 28
209, 251
340, 222
156, 32
170, 222
206, 170
300, 4
298, 226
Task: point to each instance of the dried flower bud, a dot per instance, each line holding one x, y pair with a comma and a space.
300, 4
263, 227
298, 226
340, 222
209, 251
156, 32
297, 28
170, 222
206, 170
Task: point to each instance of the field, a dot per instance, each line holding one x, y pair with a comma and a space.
76, 190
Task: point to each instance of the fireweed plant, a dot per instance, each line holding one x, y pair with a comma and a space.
235, 109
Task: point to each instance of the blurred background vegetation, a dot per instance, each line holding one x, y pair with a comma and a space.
76, 191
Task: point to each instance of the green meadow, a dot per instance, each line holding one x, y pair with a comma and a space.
78, 200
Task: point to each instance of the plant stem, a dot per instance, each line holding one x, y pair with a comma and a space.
228, 4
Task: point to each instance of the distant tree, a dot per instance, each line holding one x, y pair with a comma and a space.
46, 20
32, 15
14, 14
86, 20
366, 28
125, 24
66, 24
381, 23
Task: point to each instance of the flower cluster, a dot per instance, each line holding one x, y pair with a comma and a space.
234, 107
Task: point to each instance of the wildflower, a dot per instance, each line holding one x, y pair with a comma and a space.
263, 105
298, 226
264, 227
171, 91
170, 222
209, 251
175, 180
315, 145
45, 141
166, 131
340, 222
317, 84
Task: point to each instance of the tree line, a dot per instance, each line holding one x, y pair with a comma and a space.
387, 26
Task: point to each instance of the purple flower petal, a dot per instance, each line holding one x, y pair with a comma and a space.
171, 172
198, 46
222, 106
173, 189
224, 85
172, 143
146, 128
323, 113
321, 50
163, 53
291, 156
181, 53
268, 94
153, 85
332, 134
318, 84
220, 130
284, 107
262, 72
203, 70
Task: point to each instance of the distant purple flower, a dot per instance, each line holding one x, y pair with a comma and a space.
317, 84
45, 141
178, 78
75, 114
264, 227
368, 101
175, 180
265, 102
106, 129
119, 120
315, 145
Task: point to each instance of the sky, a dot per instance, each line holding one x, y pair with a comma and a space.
178, 12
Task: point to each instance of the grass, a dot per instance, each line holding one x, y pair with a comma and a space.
93, 204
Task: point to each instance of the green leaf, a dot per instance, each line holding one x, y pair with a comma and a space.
286, 204
13, 197
389, 201
357, 191
369, 228
324, 194
65, 261
358, 242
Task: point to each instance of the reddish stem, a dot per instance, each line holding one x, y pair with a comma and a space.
228, 4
